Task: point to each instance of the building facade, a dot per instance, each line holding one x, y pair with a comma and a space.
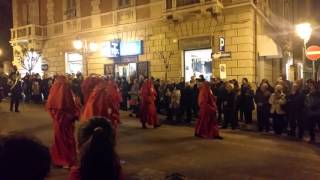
166, 39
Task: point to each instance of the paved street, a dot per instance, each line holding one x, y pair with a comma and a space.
154, 153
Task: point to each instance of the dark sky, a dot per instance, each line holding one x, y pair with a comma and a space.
5, 25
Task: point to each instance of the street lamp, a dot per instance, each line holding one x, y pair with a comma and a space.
77, 44
83, 47
304, 31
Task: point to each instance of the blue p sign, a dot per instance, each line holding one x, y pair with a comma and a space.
221, 44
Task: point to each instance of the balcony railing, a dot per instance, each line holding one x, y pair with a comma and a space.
121, 16
29, 31
176, 4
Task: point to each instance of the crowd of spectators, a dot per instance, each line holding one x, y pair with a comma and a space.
285, 107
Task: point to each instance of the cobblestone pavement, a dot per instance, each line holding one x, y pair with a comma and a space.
154, 153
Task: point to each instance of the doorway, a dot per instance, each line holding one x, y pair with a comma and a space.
125, 70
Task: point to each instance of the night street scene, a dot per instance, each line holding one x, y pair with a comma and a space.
159, 89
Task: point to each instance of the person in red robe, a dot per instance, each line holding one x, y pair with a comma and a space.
104, 101
148, 111
207, 124
88, 85
64, 112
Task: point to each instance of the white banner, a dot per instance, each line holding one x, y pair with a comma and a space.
223, 71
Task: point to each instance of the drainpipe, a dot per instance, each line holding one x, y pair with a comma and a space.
256, 55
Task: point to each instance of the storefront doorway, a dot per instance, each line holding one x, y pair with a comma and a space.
128, 70
125, 70
196, 63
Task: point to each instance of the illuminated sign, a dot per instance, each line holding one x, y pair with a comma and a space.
111, 48
131, 48
44, 67
116, 48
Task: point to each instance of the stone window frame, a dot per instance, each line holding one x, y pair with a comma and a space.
70, 9
181, 3
124, 3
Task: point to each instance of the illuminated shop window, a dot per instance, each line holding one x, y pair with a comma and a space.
196, 63
74, 63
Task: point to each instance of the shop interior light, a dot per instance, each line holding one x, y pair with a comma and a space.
77, 44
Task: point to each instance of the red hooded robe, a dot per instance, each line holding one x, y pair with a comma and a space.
64, 112
88, 85
148, 112
104, 101
207, 124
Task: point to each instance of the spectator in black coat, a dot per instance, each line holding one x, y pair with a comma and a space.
220, 93
186, 104
3, 85
263, 107
195, 94
15, 90
229, 107
246, 104
44, 87
27, 87
312, 105
76, 86
157, 88
125, 88
295, 103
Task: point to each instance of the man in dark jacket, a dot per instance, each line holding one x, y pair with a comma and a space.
44, 86
263, 107
186, 104
229, 107
295, 103
195, 94
220, 93
312, 107
246, 104
15, 89
3, 84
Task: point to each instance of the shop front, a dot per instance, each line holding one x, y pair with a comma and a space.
198, 62
125, 57
197, 57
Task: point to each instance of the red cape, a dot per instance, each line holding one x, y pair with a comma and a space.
64, 112
61, 97
207, 124
88, 85
104, 101
148, 112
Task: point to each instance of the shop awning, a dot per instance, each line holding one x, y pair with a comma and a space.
268, 47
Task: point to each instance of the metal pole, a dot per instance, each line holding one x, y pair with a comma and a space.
304, 61
85, 50
314, 70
